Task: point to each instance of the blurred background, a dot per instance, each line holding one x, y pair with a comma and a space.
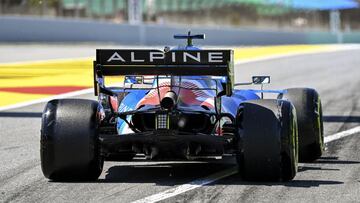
136, 21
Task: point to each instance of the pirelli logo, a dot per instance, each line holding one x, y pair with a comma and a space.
158, 57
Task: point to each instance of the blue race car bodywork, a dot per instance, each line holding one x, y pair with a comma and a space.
180, 104
134, 98
175, 98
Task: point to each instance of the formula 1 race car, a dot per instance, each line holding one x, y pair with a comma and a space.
180, 103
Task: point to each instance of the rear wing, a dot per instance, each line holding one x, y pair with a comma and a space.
111, 62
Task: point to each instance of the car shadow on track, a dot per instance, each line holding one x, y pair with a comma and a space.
173, 174
236, 180
21, 114
341, 119
162, 174
311, 168
334, 160
180, 173
317, 165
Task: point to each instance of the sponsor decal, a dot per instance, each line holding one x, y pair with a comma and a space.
158, 57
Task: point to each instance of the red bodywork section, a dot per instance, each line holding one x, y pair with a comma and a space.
188, 95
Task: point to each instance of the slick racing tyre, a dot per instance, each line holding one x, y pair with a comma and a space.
309, 117
267, 135
69, 140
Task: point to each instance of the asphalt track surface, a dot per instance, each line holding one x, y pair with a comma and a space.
333, 178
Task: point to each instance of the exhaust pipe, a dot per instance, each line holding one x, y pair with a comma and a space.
169, 100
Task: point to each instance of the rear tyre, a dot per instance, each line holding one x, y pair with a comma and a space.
267, 132
70, 149
309, 117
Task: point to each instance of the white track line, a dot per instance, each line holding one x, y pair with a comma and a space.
223, 174
188, 186
342, 134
